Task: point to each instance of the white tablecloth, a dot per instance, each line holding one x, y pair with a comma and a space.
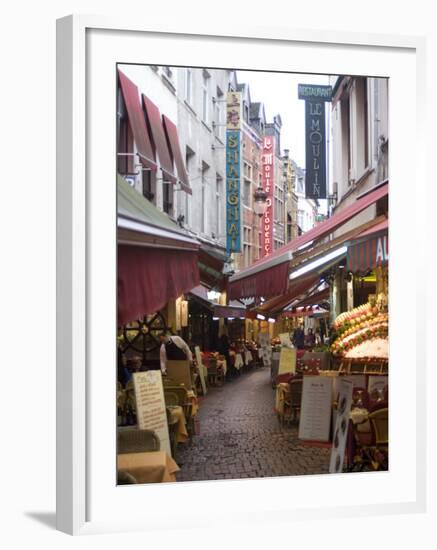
238, 361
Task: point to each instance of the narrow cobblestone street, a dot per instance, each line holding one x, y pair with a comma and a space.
240, 436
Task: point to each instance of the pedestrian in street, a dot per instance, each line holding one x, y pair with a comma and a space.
310, 339
173, 348
299, 337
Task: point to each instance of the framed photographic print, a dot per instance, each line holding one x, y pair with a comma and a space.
225, 204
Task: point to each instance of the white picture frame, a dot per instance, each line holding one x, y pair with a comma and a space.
87, 501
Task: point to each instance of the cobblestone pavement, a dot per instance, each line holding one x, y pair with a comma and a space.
240, 436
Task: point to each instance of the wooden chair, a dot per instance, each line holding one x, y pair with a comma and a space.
133, 440
293, 401
212, 372
372, 447
182, 399
125, 478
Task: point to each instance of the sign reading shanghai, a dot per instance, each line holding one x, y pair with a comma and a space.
315, 142
267, 164
233, 166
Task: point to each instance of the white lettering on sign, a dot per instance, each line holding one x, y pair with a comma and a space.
382, 250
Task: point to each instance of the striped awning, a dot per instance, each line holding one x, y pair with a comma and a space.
369, 250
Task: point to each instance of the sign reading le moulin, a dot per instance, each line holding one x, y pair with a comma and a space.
233, 161
315, 142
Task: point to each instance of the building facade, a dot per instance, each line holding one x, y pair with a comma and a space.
306, 208
360, 139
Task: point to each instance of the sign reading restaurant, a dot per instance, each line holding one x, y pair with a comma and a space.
233, 168
267, 165
315, 97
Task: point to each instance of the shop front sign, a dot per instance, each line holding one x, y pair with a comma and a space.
315, 138
267, 166
366, 255
233, 170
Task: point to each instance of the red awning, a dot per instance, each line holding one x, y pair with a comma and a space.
159, 139
269, 275
269, 282
314, 299
175, 149
137, 121
298, 288
149, 278
369, 249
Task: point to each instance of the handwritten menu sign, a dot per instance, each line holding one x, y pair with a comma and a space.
200, 369
344, 404
315, 413
287, 361
151, 411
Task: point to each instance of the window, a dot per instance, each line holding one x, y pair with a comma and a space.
218, 193
246, 193
205, 96
346, 144
167, 197
149, 186
203, 220
218, 114
189, 85
366, 124
247, 246
189, 163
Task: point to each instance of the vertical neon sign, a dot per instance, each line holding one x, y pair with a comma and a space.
267, 164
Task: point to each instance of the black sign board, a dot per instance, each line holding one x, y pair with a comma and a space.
311, 92
315, 150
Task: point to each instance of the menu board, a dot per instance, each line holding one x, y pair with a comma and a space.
345, 389
150, 403
287, 361
315, 413
200, 369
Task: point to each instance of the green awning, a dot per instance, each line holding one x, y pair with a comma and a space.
132, 205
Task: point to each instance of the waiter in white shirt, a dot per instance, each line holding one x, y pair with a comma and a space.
173, 348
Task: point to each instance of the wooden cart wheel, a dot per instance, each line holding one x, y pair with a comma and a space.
143, 335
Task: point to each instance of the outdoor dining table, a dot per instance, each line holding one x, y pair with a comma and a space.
221, 363
239, 363
149, 467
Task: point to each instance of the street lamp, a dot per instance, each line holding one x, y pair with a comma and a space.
260, 204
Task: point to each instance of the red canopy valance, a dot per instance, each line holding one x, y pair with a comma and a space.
149, 278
